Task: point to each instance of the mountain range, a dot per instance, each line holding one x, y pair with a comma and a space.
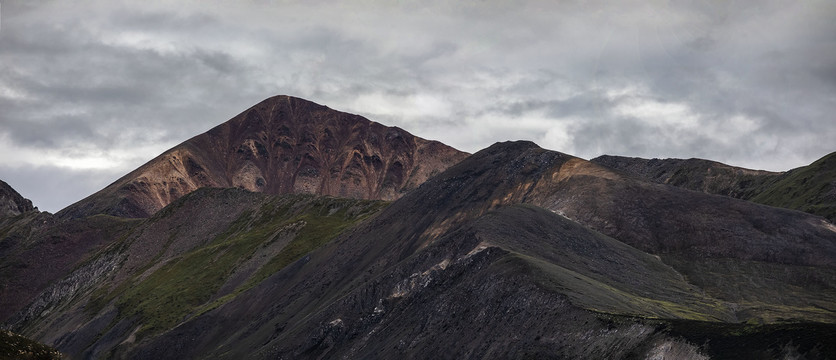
297, 231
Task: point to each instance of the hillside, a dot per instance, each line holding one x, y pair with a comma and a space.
36, 248
810, 188
281, 145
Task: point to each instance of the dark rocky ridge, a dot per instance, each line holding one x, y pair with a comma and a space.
281, 145
11, 202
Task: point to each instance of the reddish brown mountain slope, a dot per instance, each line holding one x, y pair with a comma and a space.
281, 145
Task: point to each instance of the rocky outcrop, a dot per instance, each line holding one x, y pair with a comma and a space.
281, 145
36, 249
11, 202
62, 291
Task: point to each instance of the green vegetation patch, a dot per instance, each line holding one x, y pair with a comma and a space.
322, 226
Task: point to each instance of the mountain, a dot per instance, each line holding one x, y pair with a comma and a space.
11, 202
290, 232
37, 248
514, 252
281, 145
809, 188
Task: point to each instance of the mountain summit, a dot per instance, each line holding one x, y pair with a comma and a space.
281, 145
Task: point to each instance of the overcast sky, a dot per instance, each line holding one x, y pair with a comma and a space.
90, 90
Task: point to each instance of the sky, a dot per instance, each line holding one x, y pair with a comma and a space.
90, 90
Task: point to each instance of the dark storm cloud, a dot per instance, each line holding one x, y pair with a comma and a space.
98, 87
88, 91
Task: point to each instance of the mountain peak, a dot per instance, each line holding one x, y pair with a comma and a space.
11, 202
281, 145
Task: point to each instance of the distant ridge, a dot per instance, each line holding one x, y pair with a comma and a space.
281, 145
708, 176
808, 188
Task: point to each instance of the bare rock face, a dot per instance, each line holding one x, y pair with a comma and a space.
281, 145
11, 202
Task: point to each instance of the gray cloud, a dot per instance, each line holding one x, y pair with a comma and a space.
92, 89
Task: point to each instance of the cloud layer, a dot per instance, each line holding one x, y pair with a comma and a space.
92, 89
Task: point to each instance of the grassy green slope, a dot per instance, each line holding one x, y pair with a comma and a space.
810, 189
